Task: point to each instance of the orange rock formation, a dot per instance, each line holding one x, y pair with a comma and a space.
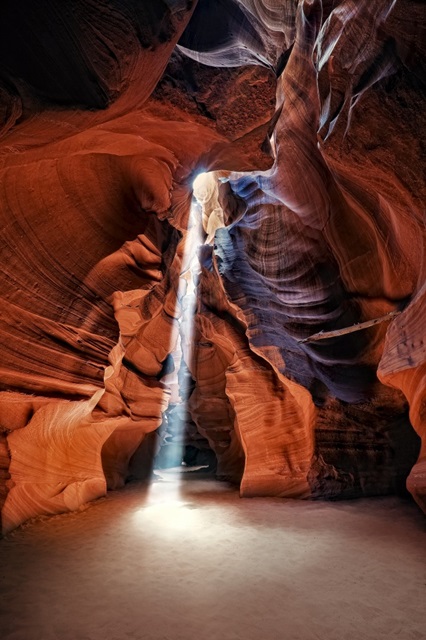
309, 115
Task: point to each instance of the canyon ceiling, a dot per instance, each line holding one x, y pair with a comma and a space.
309, 118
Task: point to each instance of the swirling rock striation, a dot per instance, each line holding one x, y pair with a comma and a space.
310, 115
315, 243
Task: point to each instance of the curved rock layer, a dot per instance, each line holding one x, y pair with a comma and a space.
310, 114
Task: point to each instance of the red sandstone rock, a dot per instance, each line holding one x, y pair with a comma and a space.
317, 226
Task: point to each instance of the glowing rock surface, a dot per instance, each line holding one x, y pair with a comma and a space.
310, 115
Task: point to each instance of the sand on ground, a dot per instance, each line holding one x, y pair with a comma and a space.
188, 559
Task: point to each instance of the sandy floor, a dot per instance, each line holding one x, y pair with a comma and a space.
203, 563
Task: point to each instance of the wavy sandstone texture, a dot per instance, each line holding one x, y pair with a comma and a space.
310, 116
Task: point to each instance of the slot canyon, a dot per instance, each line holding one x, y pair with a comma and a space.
212, 300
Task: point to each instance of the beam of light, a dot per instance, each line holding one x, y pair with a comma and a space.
164, 503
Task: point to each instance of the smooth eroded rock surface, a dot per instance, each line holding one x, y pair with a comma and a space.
126, 303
